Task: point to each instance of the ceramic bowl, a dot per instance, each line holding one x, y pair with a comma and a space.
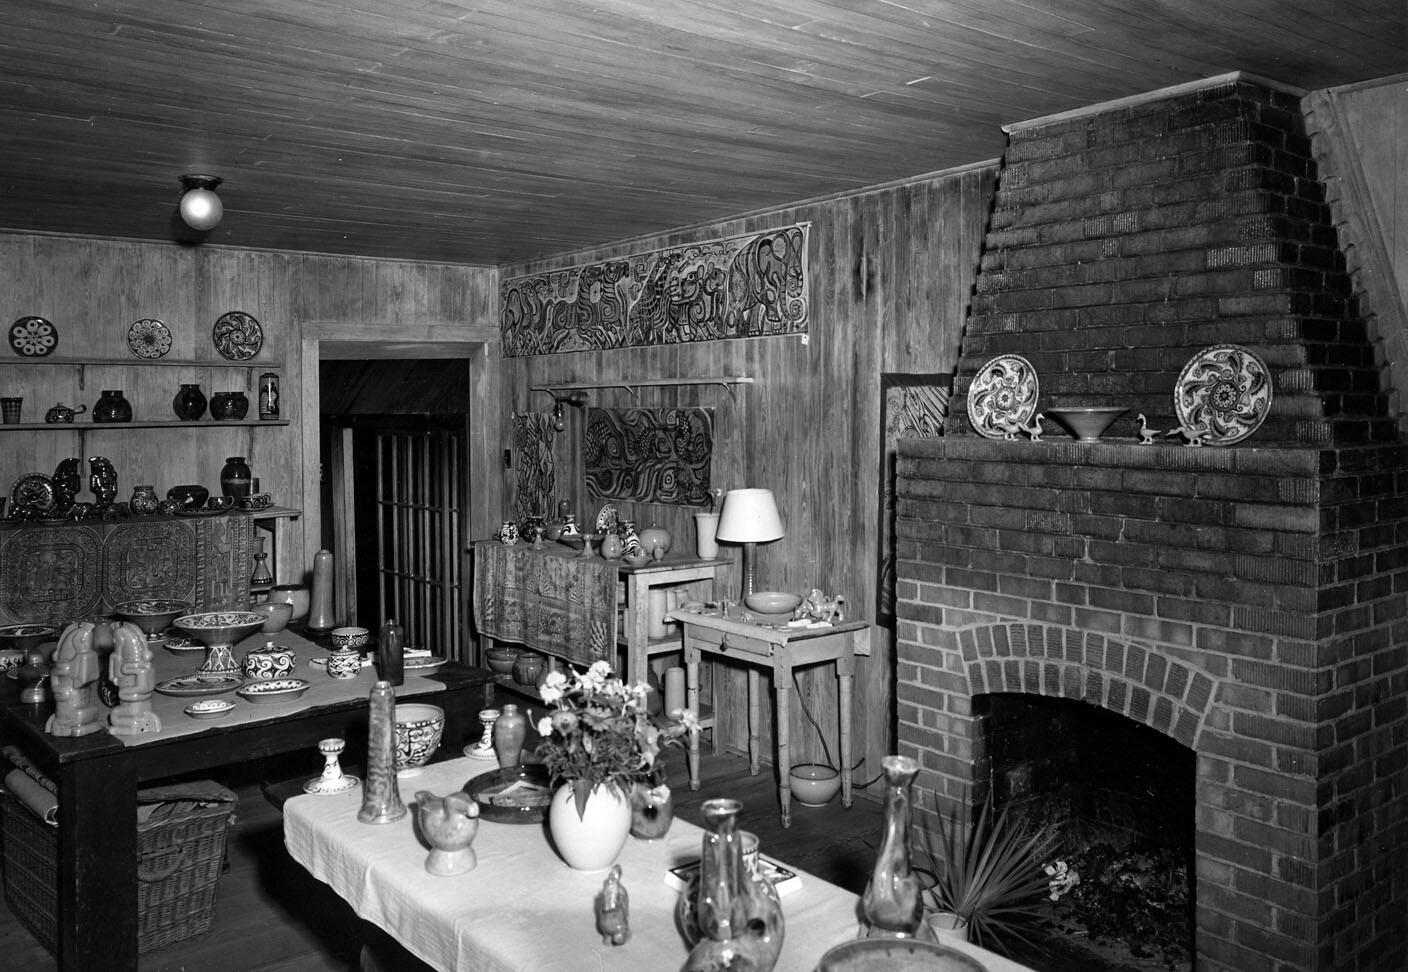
1086, 424
279, 614
418, 730
23, 637
190, 497
351, 637
151, 615
637, 559
500, 660
424, 664
274, 690
772, 602
257, 501
220, 502
813, 784
210, 708
214, 628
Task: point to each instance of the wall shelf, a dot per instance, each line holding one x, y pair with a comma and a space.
134, 360
119, 426
631, 385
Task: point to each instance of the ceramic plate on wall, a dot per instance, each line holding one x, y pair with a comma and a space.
1004, 391
237, 336
148, 338
35, 490
1224, 390
33, 337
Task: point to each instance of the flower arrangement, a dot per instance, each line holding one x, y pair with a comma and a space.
600, 732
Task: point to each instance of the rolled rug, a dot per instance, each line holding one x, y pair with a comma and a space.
44, 804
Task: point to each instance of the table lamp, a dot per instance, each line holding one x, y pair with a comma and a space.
749, 517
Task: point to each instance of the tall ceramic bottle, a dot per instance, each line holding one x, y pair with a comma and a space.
381, 798
892, 906
320, 609
732, 918
391, 653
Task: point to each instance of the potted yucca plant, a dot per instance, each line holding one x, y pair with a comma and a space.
989, 876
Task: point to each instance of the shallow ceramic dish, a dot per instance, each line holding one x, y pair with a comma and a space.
220, 627
23, 637
188, 495
280, 613
895, 955
210, 708
152, 615
773, 602
180, 644
199, 685
514, 794
425, 665
275, 690
1003, 394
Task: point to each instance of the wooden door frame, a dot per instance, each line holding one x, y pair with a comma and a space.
478, 345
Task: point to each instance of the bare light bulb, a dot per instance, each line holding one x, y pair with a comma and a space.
200, 206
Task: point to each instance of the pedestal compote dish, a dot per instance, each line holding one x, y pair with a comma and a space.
220, 631
153, 616
1086, 424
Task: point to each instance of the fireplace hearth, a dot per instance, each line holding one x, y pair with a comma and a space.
1244, 601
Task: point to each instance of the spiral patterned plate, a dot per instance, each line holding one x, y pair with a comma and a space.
33, 337
1224, 390
237, 336
1003, 391
148, 338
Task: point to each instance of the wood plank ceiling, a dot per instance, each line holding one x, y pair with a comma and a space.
501, 131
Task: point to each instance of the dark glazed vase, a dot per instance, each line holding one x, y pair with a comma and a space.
731, 918
236, 478
189, 403
892, 905
225, 406
112, 407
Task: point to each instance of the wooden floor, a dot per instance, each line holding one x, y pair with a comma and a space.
272, 916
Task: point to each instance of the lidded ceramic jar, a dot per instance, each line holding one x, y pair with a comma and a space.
189, 403
112, 407
271, 661
655, 540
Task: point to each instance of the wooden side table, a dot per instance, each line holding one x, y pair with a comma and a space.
782, 649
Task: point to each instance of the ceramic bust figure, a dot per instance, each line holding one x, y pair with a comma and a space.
450, 825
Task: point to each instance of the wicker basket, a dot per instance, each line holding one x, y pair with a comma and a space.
181, 850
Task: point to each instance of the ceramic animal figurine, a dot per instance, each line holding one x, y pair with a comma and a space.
1193, 435
450, 824
612, 907
1146, 434
130, 667
818, 607
73, 681
1012, 428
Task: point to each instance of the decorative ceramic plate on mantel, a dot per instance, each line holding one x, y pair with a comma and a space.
1003, 393
237, 336
148, 338
1225, 391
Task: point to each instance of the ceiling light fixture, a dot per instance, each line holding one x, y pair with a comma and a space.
200, 207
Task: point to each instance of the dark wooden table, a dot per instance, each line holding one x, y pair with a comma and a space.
98, 778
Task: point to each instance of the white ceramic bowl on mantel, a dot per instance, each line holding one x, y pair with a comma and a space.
1086, 424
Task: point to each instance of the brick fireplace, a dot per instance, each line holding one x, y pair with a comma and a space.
1246, 601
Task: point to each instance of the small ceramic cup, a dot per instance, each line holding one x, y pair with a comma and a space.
345, 663
750, 851
351, 637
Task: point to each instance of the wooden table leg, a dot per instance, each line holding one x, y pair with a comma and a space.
691, 685
97, 865
754, 717
781, 683
845, 674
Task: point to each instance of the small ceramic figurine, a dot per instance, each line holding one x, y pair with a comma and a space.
1146, 434
818, 607
613, 906
1012, 428
130, 668
73, 680
450, 824
1194, 435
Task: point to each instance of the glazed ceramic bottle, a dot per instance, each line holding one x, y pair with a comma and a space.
731, 918
189, 403
391, 648
892, 906
236, 479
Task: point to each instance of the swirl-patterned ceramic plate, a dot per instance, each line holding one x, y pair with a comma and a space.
237, 336
35, 490
1003, 392
33, 337
148, 338
210, 708
1225, 391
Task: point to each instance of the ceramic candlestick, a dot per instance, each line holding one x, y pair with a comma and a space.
484, 748
333, 779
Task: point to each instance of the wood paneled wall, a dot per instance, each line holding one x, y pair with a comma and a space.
893, 268
94, 289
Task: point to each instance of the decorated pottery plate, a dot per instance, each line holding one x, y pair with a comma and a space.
513, 794
1002, 397
148, 338
35, 490
33, 337
1225, 392
896, 955
274, 690
210, 708
201, 511
237, 336
199, 685
424, 665
180, 643
607, 519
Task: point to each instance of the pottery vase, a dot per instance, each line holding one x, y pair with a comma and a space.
652, 810
225, 406
589, 840
527, 667
320, 616
189, 403
655, 540
892, 905
144, 501
268, 396
112, 407
730, 917
236, 479
611, 546
510, 731
705, 526
381, 798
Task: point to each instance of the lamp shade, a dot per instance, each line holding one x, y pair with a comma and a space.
749, 516
201, 208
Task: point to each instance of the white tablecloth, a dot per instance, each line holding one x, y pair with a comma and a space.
522, 909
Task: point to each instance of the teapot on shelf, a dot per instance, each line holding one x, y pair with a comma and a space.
62, 413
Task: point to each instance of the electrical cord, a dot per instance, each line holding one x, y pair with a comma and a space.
825, 749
